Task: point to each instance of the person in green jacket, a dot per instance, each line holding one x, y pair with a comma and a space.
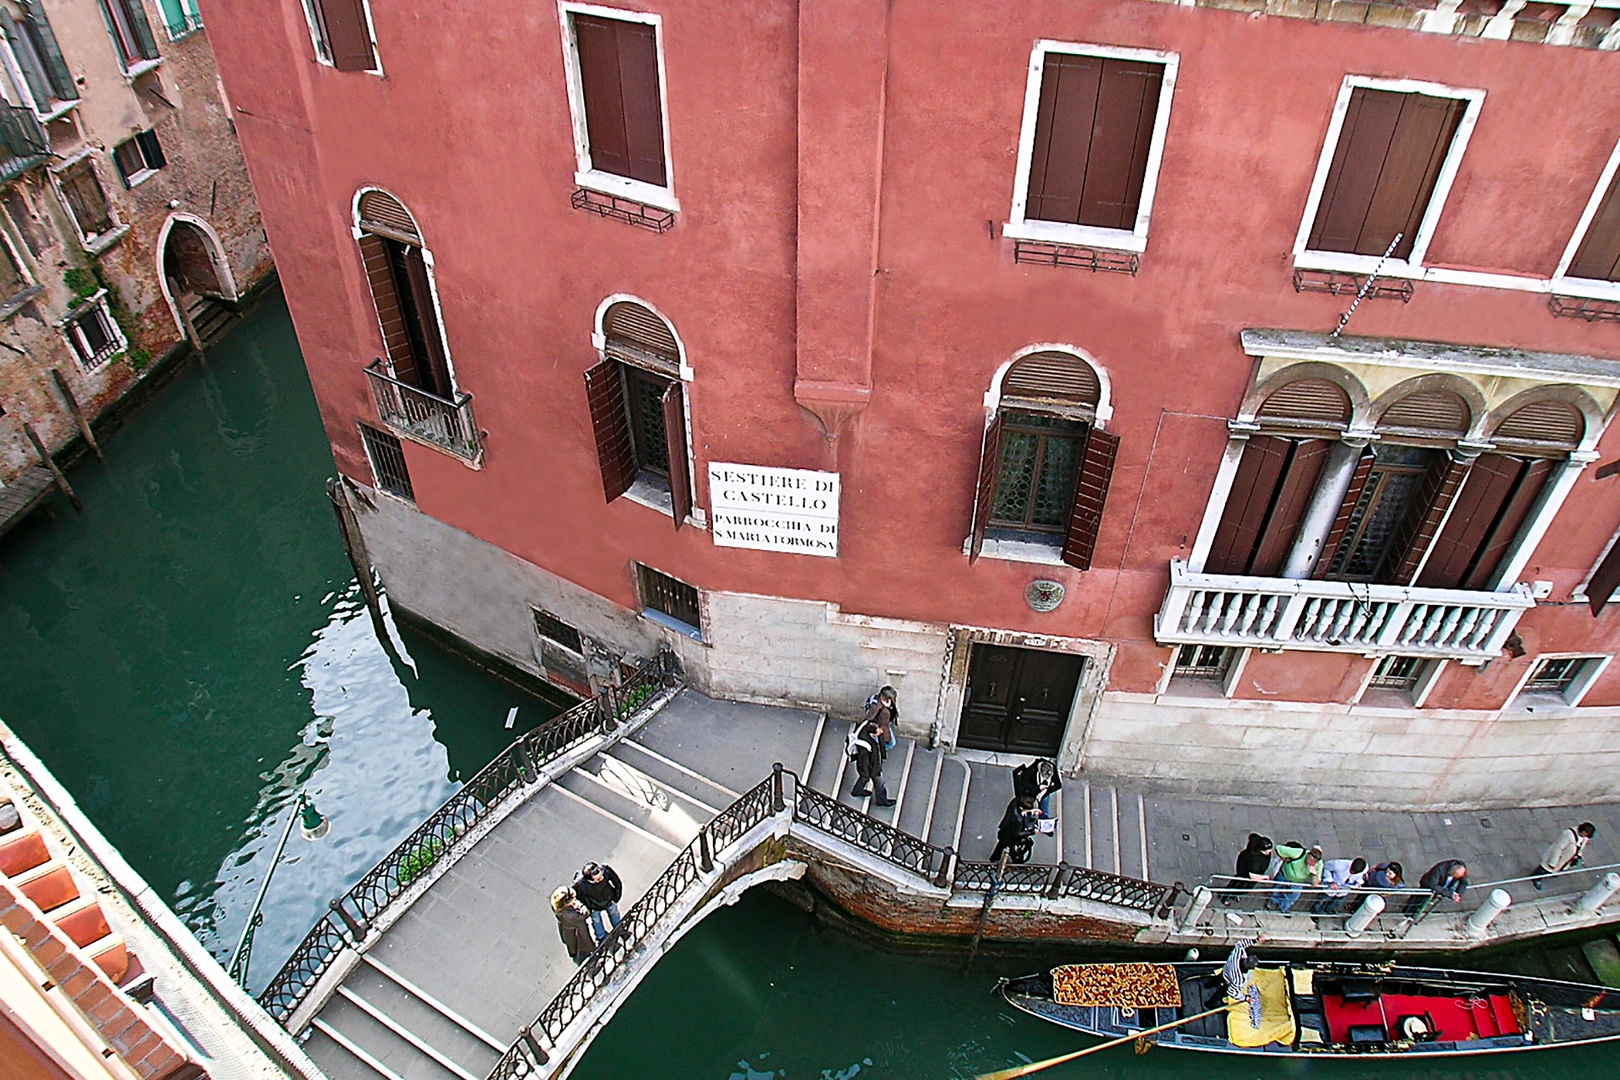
1301, 867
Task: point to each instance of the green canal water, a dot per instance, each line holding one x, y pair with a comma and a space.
191, 651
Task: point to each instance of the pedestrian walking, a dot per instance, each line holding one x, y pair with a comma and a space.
866, 746
1445, 880
1565, 851
600, 890
1301, 868
573, 924
883, 709
1016, 833
1253, 866
1340, 877
1039, 780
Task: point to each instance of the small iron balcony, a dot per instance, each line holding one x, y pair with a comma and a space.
426, 418
23, 145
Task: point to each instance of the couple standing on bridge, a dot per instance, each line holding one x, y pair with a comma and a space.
587, 910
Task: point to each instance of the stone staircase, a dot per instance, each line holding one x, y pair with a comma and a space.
207, 315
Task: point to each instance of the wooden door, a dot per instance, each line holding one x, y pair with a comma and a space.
1018, 700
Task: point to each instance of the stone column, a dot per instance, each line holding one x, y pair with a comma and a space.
1337, 472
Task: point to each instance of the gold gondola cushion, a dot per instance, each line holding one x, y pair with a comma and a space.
1136, 986
1276, 1017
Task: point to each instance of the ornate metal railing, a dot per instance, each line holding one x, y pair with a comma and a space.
22, 142
640, 923
848, 824
1065, 882
417, 414
514, 768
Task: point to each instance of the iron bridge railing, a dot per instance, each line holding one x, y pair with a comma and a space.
1065, 882
417, 414
516, 767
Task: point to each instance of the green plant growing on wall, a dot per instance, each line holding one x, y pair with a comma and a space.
84, 282
138, 358
416, 862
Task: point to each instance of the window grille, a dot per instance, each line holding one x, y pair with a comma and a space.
1035, 483
387, 458
1397, 673
91, 332
1207, 662
1555, 674
554, 630
662, 593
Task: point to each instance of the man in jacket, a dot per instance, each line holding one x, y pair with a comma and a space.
1446, 879
1301, 868
868, 748
1565, 852
599, 889
1340, 876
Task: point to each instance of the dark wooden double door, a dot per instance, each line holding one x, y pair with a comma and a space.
1018, 700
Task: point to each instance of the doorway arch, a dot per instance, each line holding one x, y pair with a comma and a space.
191, 259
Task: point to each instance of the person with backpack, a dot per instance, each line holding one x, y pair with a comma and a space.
1039, 780
1016, 833
1301, 868
866, 747
882, 709
1565, 851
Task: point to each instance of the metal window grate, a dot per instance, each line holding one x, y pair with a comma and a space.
1571, 307
1336, 283
677, 599
554, 630
1202, 661
1037, 253
626, 210
387, 462
1554, 675
1397, 672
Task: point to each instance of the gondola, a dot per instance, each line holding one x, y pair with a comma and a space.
1321, 1009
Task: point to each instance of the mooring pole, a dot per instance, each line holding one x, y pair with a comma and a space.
355, 544
50, 463
78, 413
984, 912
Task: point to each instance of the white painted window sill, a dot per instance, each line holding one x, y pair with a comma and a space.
1024, 551
1358, 264
61, 110
654, 494
669, 622
135, 180
625, 188
1586, 288
95, 245
1057, 232
1181, 686
144, 67
16, 303
70, 160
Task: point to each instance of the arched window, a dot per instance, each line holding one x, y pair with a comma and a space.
1046, 466
638, 408
402, 289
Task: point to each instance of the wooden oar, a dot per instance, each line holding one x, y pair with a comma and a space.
1037, 1066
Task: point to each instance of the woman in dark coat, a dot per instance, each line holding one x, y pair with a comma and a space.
1017, 829
573, 924
1253, 863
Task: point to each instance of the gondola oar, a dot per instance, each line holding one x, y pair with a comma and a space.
1037, 1066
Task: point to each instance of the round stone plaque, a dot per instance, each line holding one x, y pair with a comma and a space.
1043, 595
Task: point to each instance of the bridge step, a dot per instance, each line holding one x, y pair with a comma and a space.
928, 786
636, 801
380, 1045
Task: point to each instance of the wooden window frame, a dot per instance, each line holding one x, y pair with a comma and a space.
441, 335
1018, 225
10, 249
46, 111
555, 631
127, 36
368, 432
190, 19
314, 16
93, 306
586, 174
1412, 266
612, 420
1590, 288
91, 242
150, 153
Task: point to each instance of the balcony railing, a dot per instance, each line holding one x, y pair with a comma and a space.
22, 142
1336, 616
424, 417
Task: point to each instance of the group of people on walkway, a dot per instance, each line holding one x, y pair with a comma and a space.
1291, 868
588, 909
1030, 811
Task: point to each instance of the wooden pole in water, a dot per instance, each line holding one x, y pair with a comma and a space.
354, 543
1037, 1066
984, 912
50, 463
78, 413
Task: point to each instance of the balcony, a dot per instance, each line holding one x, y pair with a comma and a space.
22, 142
1336, 616
426, 418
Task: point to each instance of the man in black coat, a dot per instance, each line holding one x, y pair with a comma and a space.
868, 748
599, 889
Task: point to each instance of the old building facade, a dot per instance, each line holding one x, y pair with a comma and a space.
127, 207
1021, 380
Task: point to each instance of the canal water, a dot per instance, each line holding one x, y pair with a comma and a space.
190, 652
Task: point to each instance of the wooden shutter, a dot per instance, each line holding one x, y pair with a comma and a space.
1434, 498
1341, 522
348, 38
1090, 494
1288, 508
610, 421
680, 483
434, 369
151, 150
1429, 410
1509, 523
1384, 170
1093, 127
1312, 401
1247, 505
38, 29
985, 499
1489, 485
390, 316
624, 119
1053, 377
1605, 579
1598, 257
1555, 422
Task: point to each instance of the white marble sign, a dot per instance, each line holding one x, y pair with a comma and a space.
757, 506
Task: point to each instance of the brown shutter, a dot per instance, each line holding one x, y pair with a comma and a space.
1509, 523
643, 111
1064, 119
385, 297
604, 390
985, 499
1605, 579
1288, 509
436, 378
1384, 169
1490, 482
618, 70
680, 484
1313, 401
343, 25
1253, 489
1599, 255
1434, 498
1090, 494
1127, 103
1341, 523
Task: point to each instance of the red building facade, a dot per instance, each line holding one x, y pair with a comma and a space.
989, 352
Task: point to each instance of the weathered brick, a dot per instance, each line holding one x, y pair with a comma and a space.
80, 980
136, 1043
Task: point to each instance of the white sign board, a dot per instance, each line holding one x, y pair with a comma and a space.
756, 506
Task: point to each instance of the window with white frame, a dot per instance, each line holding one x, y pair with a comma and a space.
138, 157
131, 33
93, 333
1093, 135
614, 66
387, 458
34, 60
1392, 151
1592, 258
343, 34
180, 17
1560, 680
81, 190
